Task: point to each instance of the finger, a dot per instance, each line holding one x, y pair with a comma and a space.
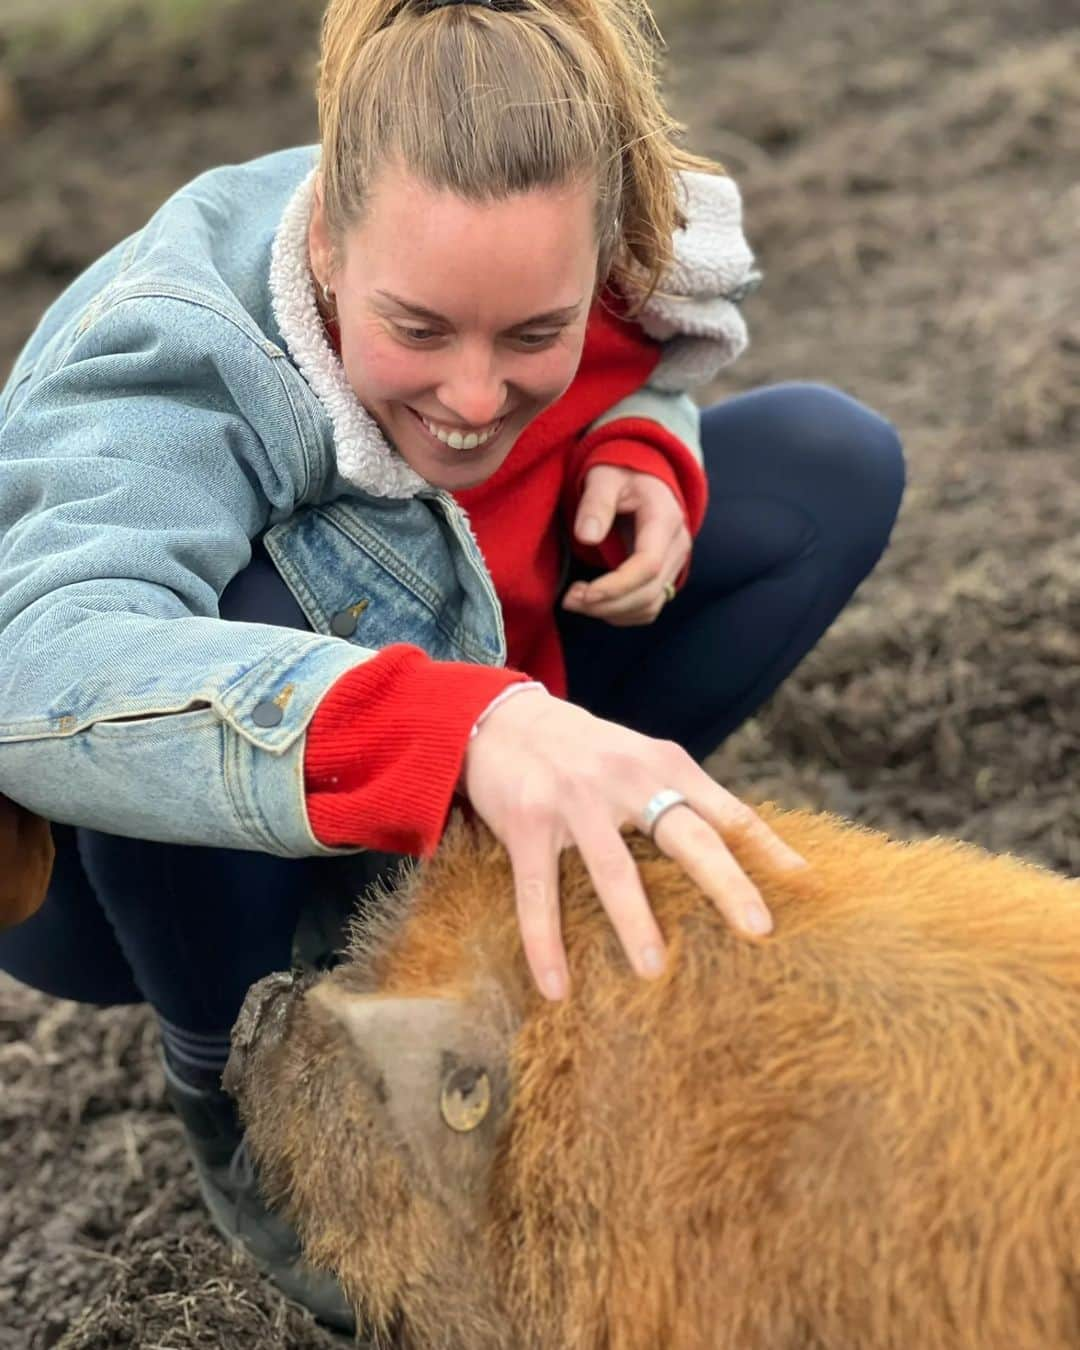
534, 859
599, 503
741, 825
618, 885
692, 842
640, 569
648, 599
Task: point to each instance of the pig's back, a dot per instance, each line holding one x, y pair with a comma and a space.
872, 1114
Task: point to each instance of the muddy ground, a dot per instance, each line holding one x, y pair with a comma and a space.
912, 187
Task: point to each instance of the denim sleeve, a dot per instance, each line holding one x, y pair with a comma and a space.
132, 480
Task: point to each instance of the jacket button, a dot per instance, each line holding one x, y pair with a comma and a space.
343, 624
266, 714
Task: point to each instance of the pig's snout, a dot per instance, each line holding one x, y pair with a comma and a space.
262, 1022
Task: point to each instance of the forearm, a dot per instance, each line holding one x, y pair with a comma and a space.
187, 730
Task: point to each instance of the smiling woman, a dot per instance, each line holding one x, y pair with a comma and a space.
379, 455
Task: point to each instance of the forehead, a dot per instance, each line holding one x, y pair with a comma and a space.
529, 252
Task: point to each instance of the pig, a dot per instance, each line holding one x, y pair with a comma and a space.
860, 1133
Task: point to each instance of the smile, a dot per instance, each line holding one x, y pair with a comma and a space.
457, 439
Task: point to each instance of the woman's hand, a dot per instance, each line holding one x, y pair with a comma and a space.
657, 538
545, 774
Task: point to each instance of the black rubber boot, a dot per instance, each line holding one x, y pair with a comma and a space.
230, 1187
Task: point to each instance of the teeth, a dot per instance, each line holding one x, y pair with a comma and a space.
458, 441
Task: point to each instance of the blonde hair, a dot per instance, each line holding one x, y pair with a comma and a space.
488, 101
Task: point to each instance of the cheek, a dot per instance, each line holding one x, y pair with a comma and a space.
548, 374
379, 368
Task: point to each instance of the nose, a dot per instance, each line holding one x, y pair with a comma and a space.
473, 391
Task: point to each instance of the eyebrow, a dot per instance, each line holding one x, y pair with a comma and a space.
549, 316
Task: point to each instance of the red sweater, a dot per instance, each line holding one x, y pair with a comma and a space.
384, 749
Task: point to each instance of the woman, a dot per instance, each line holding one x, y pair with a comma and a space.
289, 479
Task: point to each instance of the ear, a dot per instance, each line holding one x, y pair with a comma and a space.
319, 248
438, 1068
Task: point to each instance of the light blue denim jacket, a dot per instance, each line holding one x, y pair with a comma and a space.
157, 421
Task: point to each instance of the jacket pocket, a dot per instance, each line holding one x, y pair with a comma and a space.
353, 583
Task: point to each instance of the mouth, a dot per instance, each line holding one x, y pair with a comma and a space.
454, 439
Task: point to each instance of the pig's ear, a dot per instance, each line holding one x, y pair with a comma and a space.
438, 1069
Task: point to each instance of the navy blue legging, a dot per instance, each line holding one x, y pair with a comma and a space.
804, 486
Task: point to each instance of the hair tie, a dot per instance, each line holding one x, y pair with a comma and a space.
429, 6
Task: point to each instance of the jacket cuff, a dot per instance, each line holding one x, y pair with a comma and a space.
385, 748
645, 447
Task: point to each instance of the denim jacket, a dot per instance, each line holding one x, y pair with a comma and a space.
177, 401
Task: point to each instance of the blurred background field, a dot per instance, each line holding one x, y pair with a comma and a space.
73, 23
71, 27
911, 176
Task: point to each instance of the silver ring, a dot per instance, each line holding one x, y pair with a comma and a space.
657, 805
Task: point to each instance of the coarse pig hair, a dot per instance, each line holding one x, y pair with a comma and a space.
861, 1133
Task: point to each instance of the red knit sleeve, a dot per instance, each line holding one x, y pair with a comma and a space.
647, 447
384, 750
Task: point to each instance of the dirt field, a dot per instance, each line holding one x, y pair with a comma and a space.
912, 187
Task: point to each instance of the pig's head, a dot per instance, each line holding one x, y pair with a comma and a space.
375, 1103
464, 1155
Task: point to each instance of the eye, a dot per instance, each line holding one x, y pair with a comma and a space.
415, 334
534, 341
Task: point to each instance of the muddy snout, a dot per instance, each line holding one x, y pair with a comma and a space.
262, 1024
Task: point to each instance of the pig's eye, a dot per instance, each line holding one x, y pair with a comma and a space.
465, 1099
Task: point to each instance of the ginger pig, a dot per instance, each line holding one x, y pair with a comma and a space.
860, 1133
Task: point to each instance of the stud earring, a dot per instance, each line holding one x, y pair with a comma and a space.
327, 293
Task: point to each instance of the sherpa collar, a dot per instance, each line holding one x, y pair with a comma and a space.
694, 311
364, 456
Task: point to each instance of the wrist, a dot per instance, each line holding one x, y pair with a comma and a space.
523, 687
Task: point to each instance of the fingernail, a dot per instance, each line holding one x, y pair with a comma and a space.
553, 985
652, 960
591, 530
757, 920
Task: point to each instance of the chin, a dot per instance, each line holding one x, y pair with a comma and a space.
460, 475
460, 482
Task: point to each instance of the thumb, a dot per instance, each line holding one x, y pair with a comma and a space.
596, 510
